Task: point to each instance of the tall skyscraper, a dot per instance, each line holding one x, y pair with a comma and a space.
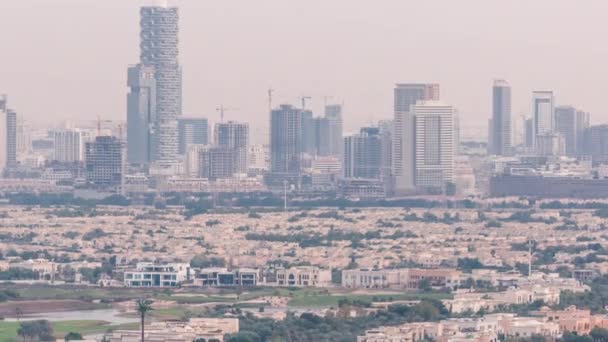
192, 131
582, 124
433, 145
363, 154
160, 50
141, 114
11, 139
333, 113
286, 140
3, 132
501, 118
543, 112
406, 96
386, 139
104, 163
69, 146
234, 136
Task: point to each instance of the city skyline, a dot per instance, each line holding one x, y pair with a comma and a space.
212, 67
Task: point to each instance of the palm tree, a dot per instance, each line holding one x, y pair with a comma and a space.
143, 306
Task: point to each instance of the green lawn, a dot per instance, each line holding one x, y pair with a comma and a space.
8, 330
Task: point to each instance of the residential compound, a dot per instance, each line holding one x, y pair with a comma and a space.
153, 275
546, 324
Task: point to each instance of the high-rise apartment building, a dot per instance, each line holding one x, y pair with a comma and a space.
433, 145
160, 50
286, 140
406, 96
543, 113
192, 131
333, 114
550, 145
193, 160
69, 146
362, 156
323, 136
500, 144
141, 114
217, 163
234, 136
258, 158
308, 133
104, 162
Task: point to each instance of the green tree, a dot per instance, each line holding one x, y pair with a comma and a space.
143, 307
39, 329
73, 336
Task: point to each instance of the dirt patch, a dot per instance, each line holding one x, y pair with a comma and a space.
10, 309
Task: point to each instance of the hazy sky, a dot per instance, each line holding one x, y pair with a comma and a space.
67, 59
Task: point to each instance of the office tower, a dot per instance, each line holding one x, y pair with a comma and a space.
286, 140
141, 114
160, 50
405, 96
433, 145
323, 144
542, 113
362, 156
566, 124
234, 136
104, 162
192, 131
582, 124
217, 163
11, 140
501, 118
529, 133
386, 140
3, 132
596, 144
333, 113
69, 146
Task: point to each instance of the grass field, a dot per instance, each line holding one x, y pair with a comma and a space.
8, 330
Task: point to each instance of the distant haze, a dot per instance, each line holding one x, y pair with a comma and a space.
67, 59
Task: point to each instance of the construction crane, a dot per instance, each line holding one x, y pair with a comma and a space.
270, 91
221, 109
304, 99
